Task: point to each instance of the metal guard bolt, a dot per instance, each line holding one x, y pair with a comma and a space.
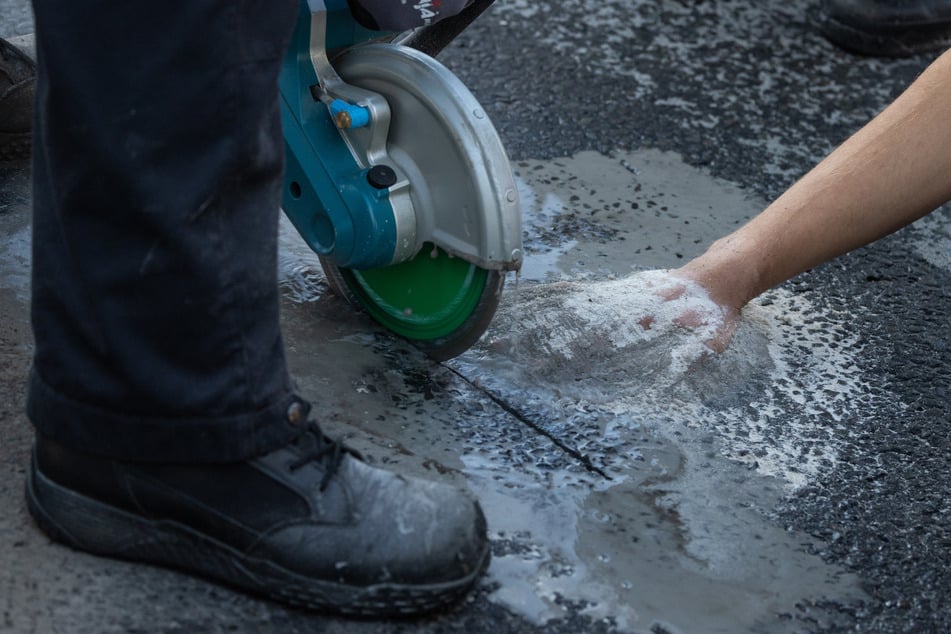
381, 176
343, 120
348, 115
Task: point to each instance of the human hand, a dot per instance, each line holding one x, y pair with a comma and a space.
687, 304
654, 323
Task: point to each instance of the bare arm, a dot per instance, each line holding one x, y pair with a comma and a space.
890, 173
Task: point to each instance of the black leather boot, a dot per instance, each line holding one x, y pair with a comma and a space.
310, 524
887, 28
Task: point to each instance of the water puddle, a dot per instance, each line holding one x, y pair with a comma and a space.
626, 472
666, 519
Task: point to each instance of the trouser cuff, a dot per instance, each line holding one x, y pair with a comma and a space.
173, 439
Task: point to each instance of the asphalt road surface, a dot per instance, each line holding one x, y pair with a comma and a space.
800, 482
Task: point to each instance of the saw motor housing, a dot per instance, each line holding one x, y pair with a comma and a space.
396, 178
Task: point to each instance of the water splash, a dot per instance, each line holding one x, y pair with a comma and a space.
609, 369
299, 272
622, 346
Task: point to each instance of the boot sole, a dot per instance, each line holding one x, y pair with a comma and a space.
87, 524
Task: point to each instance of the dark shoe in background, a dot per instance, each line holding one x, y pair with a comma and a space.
887, 28
310, 524
17, 75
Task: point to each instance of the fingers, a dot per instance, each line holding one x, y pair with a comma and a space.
690, 308
724, 333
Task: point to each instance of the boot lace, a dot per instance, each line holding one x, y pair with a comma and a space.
315, 446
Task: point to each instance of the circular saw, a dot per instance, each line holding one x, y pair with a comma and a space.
397, 179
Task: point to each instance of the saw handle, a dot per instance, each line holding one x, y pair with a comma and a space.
387, 15
434, 38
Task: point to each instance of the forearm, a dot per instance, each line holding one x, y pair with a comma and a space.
893, 171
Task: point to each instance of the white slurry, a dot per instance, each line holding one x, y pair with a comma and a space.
644, 307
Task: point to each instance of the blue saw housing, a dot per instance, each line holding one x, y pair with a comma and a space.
327, 196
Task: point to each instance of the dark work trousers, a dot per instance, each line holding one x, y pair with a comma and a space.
157, 170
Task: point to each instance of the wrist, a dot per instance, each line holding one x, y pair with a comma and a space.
728, 271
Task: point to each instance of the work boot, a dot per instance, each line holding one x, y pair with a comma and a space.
887, 28
17, 76
310, 524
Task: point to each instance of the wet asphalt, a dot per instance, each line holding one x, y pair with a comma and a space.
745, 97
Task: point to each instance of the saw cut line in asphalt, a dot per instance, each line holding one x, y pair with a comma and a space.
523, 418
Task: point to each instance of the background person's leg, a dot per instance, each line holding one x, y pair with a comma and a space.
157, 176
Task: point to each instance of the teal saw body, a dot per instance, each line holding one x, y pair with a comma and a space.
397, 179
